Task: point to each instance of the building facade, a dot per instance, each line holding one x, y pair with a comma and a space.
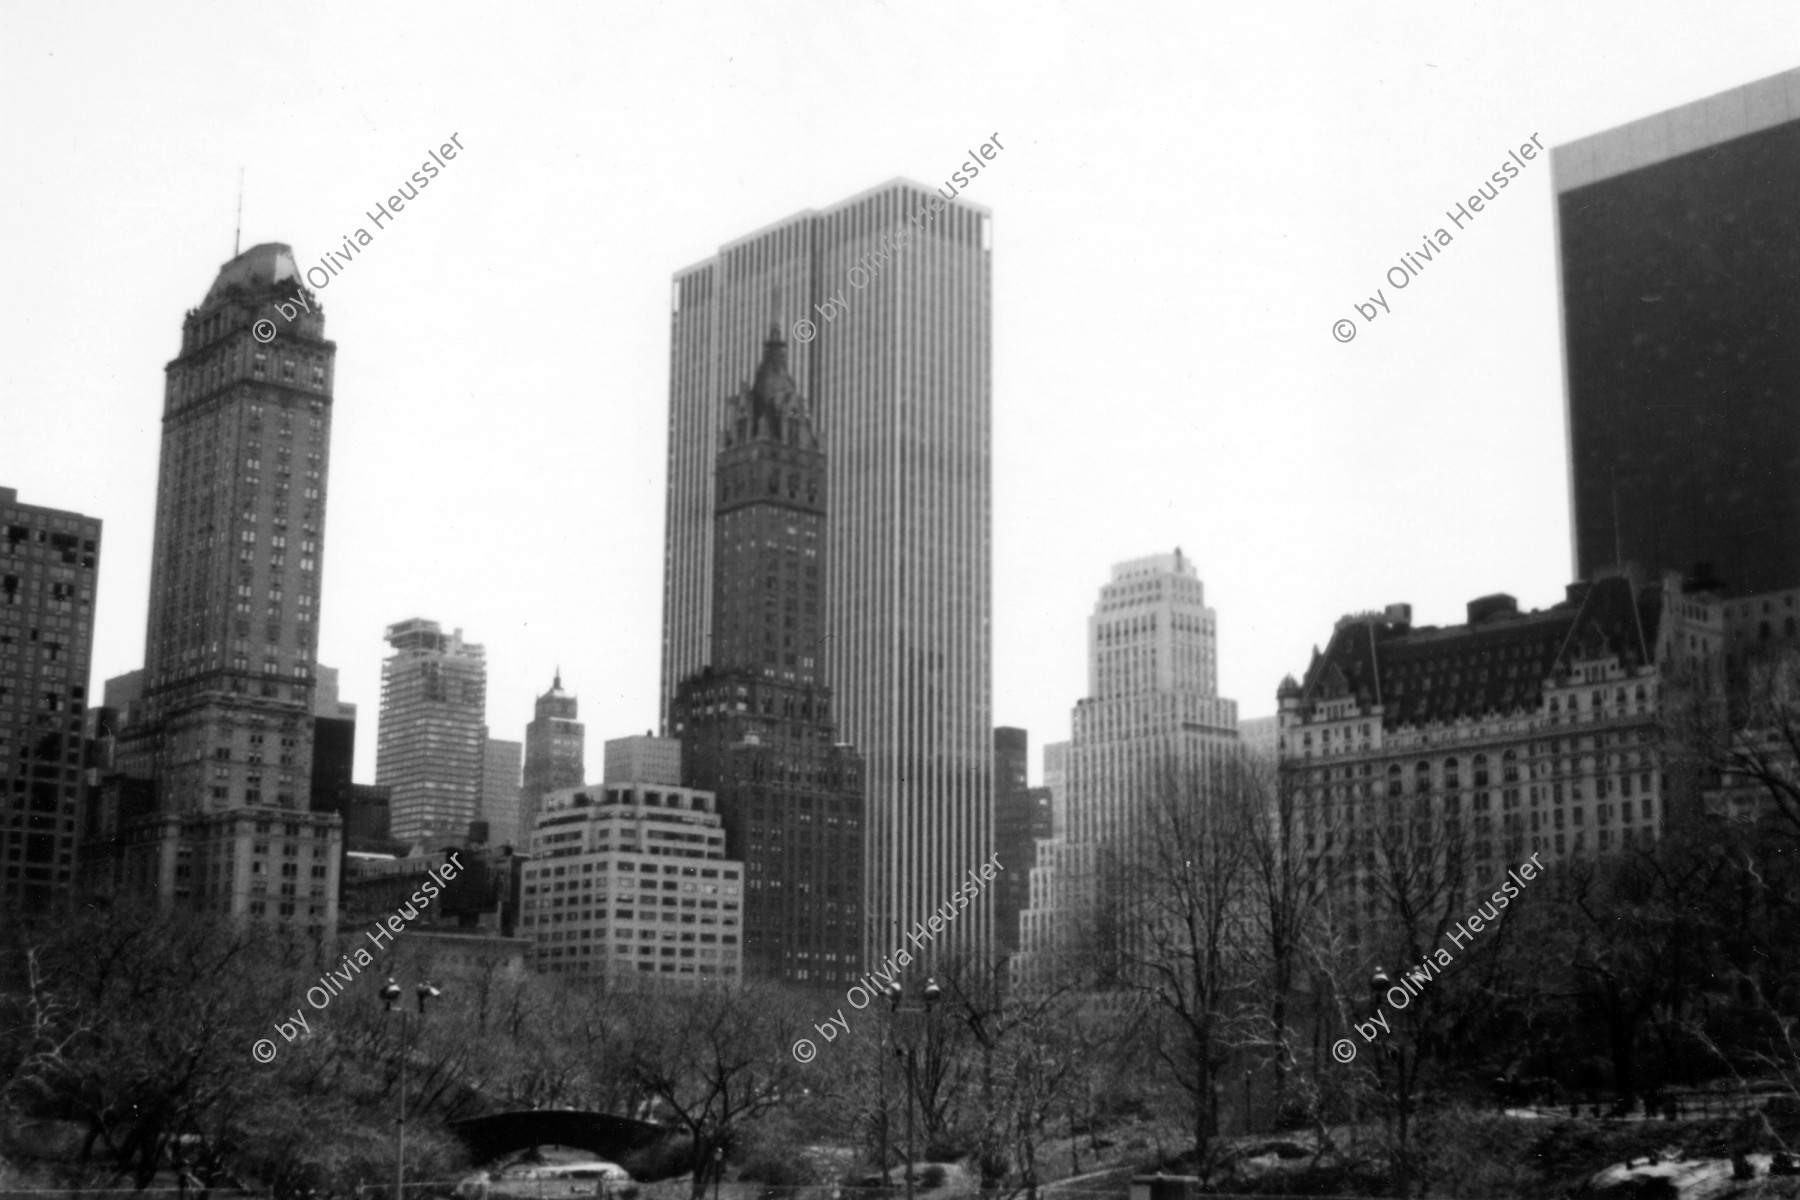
1514, 734
1758, 629
1261, 737
334, 746
1056, 778
49, 570
646, 759
368, 818
1022, 819
222, 727
1152, 715
501, 791
756, 726
901, 389
555, 753
479, 896
633, 879
433, 732
1679, 244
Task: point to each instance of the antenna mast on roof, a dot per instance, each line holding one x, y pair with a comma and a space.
1618, 542
237, 234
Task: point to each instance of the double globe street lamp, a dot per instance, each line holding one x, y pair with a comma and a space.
391, 994
1379, 983
896, 997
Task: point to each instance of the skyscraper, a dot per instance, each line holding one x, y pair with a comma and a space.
500, 792
433, 732
49, 566
620, 842
1679, 245
1153, 708
756, 727
555, 753
223, 727
1021, 820
334, 746
900, 386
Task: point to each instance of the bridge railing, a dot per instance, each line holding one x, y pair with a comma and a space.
682, 1189
17, 1193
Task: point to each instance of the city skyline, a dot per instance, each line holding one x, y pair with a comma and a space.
1105, 551
1480, 406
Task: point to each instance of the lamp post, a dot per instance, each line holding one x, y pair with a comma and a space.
1379, 983
718, 1169
896, 994
390, 992
886, 1041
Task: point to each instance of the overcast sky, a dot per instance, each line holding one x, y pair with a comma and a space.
1189, 196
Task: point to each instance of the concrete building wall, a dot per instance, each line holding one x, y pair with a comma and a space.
501, 763
633, 879
643, 759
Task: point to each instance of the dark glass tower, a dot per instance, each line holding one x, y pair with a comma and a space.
756, 727
1021, 820
1680, 250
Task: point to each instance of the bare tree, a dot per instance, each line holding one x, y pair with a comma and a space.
1031, 1052
718, 1057
142, 1024
1412, 869
1287, 868
1185, 923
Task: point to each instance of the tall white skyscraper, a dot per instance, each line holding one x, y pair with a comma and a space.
1153, 705
900, 384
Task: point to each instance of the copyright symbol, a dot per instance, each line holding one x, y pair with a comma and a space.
1345, 331
804, 1049
805, 331
257, 331
1343, 1050
263, 1051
